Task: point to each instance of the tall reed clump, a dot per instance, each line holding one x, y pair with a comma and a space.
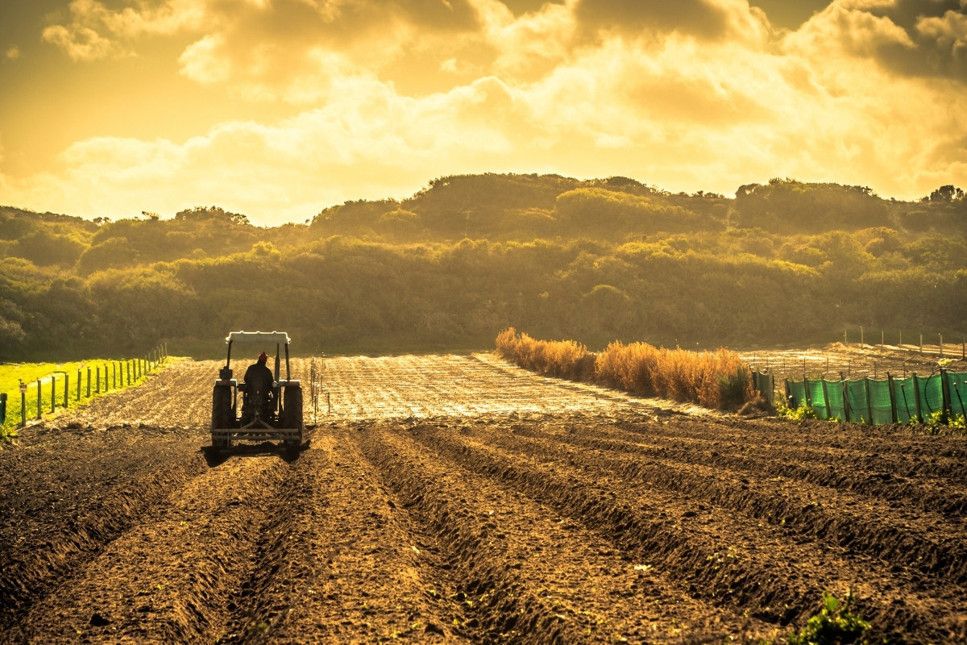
717, 380
560, 358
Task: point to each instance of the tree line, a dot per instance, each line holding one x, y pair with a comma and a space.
592, 260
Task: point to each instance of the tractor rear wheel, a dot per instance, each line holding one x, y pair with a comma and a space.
222, 416
292, 413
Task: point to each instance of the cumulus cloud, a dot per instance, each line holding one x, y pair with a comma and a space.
693, 95
95, 31
706, 20
948, 35
908, 37
81, 43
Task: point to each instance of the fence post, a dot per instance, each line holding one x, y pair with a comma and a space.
67, 381
39, 404
23, 404
869, 401
916, 398
945, 391
97, 385
941, 344
825, 397
889, 380
842, 382
53, 393
78, 384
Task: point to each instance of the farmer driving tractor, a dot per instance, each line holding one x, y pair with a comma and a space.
258, 384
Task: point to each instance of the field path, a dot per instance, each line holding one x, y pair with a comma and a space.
455, 498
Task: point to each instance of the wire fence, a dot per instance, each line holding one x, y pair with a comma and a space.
62, 388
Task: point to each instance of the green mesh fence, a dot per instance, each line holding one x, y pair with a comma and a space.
836, 402
880, 401
797, 394
766, 384
906, 399
871, 401
857, 405
958, 394
818, 400
930, 389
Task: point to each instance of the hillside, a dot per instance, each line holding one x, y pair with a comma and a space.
449, 267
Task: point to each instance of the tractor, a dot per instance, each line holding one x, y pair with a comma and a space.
270, 412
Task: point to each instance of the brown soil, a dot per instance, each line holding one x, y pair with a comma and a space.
458, 499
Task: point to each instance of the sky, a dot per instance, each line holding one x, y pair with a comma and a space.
278, 109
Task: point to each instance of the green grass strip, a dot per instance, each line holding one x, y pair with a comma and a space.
74, 383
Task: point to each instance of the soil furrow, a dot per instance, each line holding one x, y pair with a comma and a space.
726, 561
340, 565
924, 541
167, 579
58, 517
496, 602
495, 539
905, 452
881, 478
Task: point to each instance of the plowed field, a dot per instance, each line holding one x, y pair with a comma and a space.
458, 499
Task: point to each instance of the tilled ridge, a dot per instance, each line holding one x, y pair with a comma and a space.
765, 451
882, 530
497, 601
45, 546
725, 560
524, 572
166, 579
340, 565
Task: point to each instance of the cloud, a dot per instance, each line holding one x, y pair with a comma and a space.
909, 37
948, 35
697, 95
81, 43
370, 143
13, 53
705, 20
95, 32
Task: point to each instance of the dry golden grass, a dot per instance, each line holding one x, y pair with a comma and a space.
560, 358
717, 380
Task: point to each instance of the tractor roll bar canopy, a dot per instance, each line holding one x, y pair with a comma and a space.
268, 337
279, 338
